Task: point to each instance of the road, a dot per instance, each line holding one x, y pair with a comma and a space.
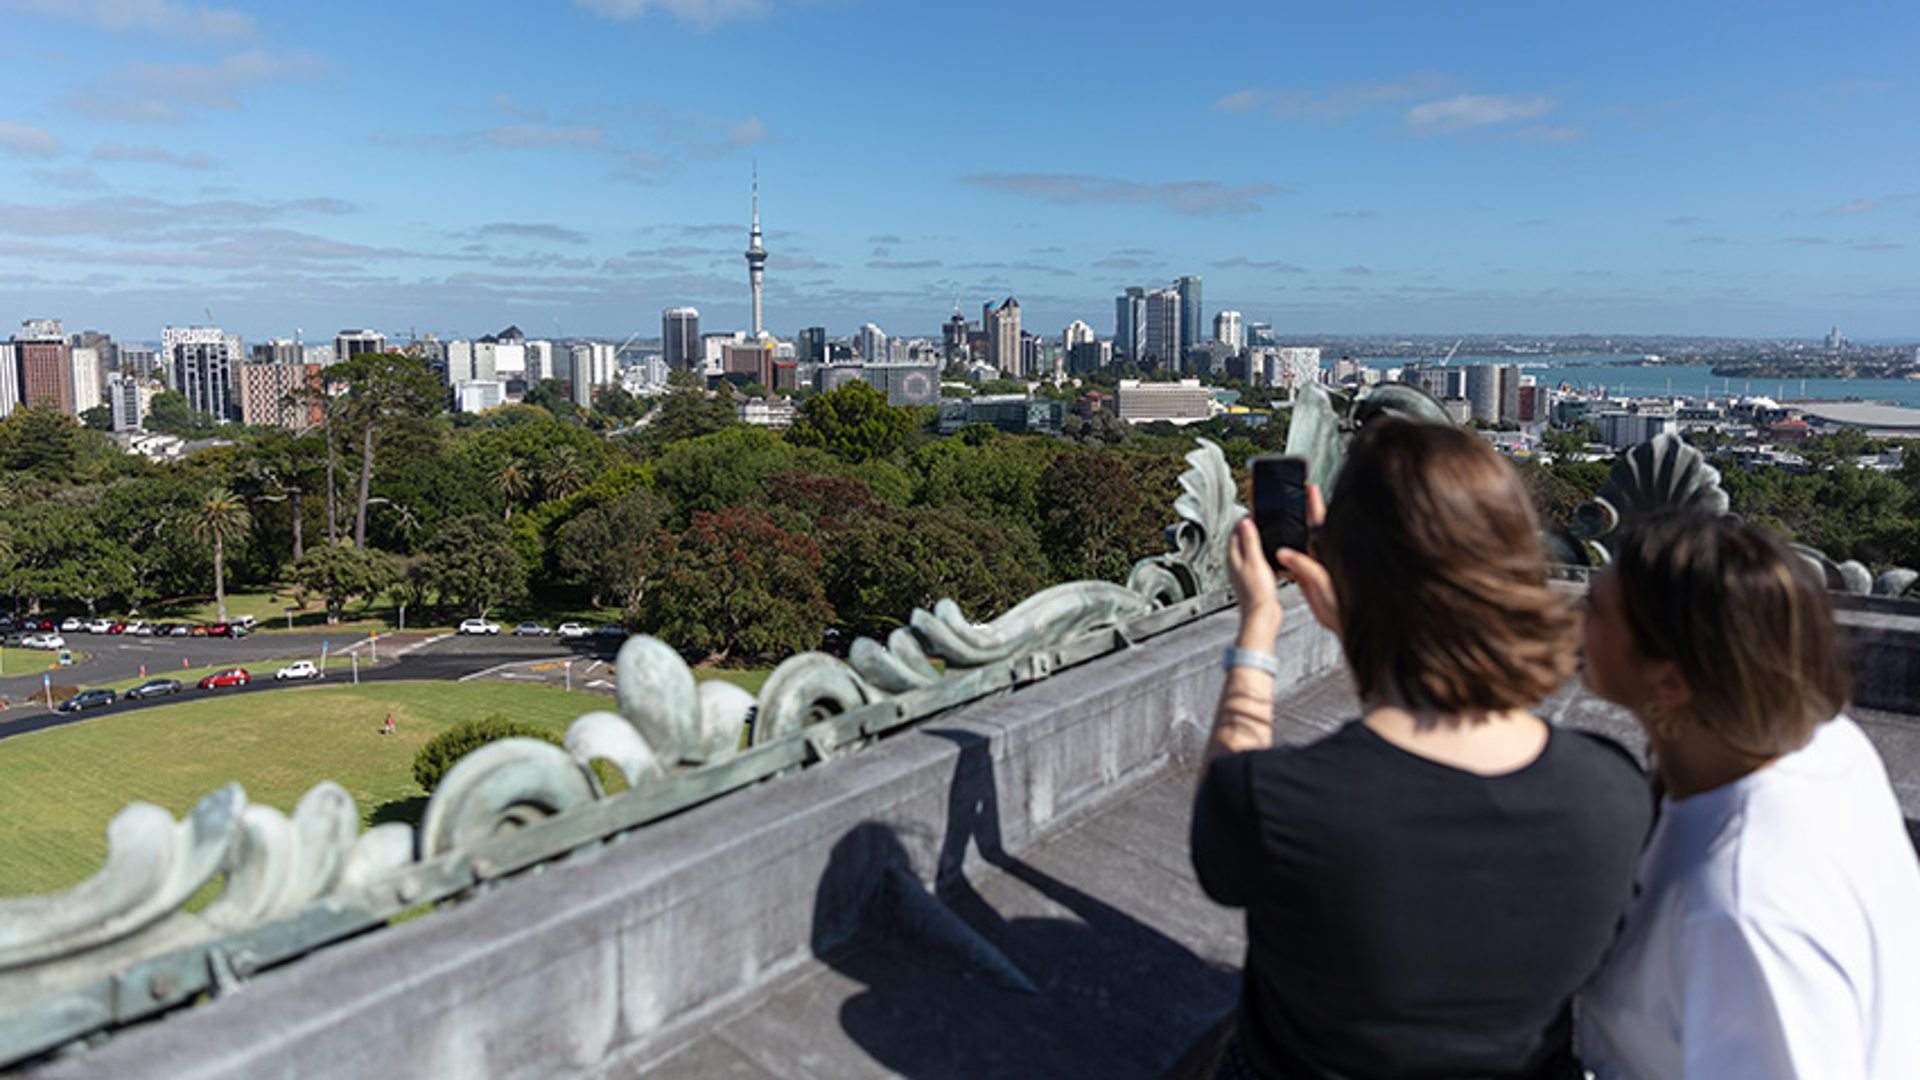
448, 657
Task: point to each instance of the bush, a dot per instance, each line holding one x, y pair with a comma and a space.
434, 759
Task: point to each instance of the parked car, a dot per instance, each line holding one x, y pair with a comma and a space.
229, 677
610, 631
246, 622
154, 688
299, 669
573, 630
179, 630
86, 699
37, 623
218, 629
531, 629
116, 628
479, 626
136, 628
70, 625
197, 630
44, 640
99, 626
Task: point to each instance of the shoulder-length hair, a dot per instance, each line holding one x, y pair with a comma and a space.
1435, 556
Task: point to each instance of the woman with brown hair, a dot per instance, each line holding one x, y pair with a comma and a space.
1776, 930
1427, 886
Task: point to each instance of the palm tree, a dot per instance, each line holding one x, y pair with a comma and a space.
512, 484
220, 517
561, 476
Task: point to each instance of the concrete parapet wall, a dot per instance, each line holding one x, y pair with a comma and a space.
615, 957
1885, 640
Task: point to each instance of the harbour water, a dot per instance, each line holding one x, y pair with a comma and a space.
1690, 380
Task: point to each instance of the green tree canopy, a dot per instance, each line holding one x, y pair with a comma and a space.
737, 588
339, 572
473, 566
853, 423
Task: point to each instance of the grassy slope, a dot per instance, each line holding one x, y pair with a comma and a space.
62, 786
17, 661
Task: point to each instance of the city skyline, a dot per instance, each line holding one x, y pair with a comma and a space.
1343, 174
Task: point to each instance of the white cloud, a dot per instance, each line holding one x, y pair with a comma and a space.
1463, 112
748, 132
168, 93
1335, 102
25, 140
1852, 206
159, 16
524, 136
698, 13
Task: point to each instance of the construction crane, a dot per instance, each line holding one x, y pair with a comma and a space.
1447, 359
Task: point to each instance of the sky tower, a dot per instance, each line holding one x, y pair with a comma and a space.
756, 256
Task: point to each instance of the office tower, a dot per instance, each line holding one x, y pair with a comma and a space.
1130, 324
1295, 367
278, 395
9, 378
680, 339
348, 344
1075, 333
139, 361
1032, 354
590, 366
1191, 324
45, 365
953, 338
459, 362
1002, 326
539, 361
86, 377
1226, 330
873, 344
479, 396
1160, 336
504, 357
200, 359
756, 256
1483, 393
811, 346
1259, 335
279, 351
1510, 393
127, 397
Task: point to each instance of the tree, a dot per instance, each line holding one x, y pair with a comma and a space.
723, 469
561, 474
512, 484
686, 412
614, 549
618, 405
473, 566
738, 588
98, 418
1101, 511
432, 760
280, 466
852, 422
339, 572
383, 390
42, 443
221, 517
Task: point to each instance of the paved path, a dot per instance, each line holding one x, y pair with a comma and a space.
413, 656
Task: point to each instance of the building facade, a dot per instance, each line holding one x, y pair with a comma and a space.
872, 344
128, 398
1130, 324
348, 344
1160, 345
479, 395
1192, 316
680, 339
1483, 393
1002, 326
1227, 330
201, 361
1182, 402
279, 395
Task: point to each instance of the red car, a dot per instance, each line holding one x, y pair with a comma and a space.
229, 677
117, 628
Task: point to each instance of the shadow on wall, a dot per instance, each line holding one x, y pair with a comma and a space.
1033, 978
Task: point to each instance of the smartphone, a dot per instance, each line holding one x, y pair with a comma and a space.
1280, 503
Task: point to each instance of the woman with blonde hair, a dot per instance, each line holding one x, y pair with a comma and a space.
1427, 886
1776, 930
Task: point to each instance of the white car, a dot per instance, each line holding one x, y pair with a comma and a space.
299, 669
43, 641
573, 630
72, 625
479, 626
99, 626
247, 621
136, 628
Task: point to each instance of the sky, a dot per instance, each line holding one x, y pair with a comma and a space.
575, 166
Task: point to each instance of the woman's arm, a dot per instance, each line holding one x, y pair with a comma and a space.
1244, 718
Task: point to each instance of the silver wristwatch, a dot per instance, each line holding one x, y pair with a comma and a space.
1235, 656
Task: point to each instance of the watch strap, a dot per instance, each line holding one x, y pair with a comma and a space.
1235, 656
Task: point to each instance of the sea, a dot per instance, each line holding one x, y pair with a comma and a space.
1629, 379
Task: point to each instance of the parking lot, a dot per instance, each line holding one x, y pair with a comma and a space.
411, 655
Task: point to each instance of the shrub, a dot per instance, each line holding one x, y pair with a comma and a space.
438, 755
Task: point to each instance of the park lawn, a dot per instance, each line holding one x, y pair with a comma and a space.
63, 785
18, 661
748, 679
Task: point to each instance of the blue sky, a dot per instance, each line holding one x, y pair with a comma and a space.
574, 166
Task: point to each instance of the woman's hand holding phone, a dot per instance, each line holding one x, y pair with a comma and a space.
1254, 581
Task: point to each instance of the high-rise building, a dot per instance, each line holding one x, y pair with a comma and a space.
540, 361
904, 384
1032, 357
86, 377
459, 362
200, 360
1191, 315
348, 344
1160, 338
1259, 334
1002, 326
1510, 393
1294, 367
873, 344
1183, 402
590, 366
1075, 333
278, 395
1130, 324
9, 378
953, 338
680, 339
756, 257
811, 346
1089, 356
1226, 330
45, 365
279, 351
479, 395
138, 360
128, 397
1483, 393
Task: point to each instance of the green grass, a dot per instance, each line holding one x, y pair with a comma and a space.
17, 661
63, 785
271, 607
748, 679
